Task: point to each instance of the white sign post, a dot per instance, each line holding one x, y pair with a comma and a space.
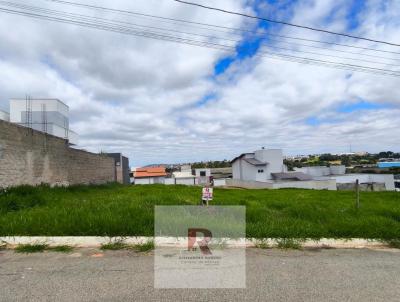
207, 195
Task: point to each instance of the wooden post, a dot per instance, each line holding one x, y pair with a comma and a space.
357, 194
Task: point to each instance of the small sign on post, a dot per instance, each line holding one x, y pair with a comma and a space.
207, 195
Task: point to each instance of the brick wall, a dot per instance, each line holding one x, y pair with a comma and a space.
32, 157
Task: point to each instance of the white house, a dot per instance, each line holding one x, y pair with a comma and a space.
149, 175
259, 165
203, 176
265, 169
184, 178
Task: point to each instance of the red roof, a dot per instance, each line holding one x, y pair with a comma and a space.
150, 172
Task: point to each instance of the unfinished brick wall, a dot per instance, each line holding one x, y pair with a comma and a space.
32, 157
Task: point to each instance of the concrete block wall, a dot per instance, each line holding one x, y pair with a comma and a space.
32, 157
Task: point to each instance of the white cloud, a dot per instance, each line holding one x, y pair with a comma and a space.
139, 95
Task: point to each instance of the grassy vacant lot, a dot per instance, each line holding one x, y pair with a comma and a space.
115, 210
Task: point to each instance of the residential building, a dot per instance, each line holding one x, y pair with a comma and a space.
258, 166
121, 168
184, 178
50, 116
149, 175
203, 176
265, 169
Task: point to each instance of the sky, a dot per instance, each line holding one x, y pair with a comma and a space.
164, 102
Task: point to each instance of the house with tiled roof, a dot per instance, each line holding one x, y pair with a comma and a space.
149, 175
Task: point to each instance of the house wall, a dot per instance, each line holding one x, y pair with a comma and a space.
219, 182
144, 181
274, 158
242, 170
249, 172
316, 171
121, 168
313, 184
203, 180
248, 184
189, 181
169, 181
236, 169
338, 170
208, 172
319, 171
386, 179
32, 157
149, 180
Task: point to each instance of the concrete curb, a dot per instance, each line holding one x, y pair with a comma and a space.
94, 242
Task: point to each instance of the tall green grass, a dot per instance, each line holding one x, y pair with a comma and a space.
116, 210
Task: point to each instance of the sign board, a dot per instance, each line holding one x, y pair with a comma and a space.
207, 194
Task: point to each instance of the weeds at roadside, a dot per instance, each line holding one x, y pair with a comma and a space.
262, 244
144, 247
60, 249
119, 245
31, 248
114, 246
395, 243
289, 243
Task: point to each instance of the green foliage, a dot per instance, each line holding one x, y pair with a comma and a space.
394, 243
212, 164
120, 245
19, 198
31, 248
60, 249
114, 246
289, 243
116, 210
345, 159
144, 247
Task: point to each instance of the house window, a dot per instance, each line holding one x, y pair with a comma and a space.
260, 171
202, 173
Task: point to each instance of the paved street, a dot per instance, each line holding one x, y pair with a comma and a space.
272, 275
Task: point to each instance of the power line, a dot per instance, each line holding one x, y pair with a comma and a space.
270, 55
287, 23
234, 30
112, 22
212, 45
231, 29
